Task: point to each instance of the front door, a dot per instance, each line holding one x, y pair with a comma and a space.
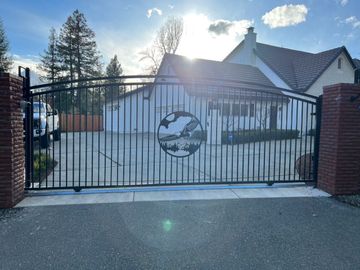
273, 117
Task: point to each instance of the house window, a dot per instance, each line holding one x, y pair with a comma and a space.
339, 63
113, 108
226, 109
244, 109
236, 109
213, 106
252, 110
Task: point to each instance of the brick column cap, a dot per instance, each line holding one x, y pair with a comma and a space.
347, 86
10, 75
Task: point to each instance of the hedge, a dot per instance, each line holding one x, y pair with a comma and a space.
43, 166
311, 132
247, 136
199, 134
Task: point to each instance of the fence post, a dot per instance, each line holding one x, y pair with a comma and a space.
11, 141
28, 125
317, 138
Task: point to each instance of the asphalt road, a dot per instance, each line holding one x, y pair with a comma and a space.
295, 233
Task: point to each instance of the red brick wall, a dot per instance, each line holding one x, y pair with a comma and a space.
11, 141
339, 153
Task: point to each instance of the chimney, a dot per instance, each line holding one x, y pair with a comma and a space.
249, 47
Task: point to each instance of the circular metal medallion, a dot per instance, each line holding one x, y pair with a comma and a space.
180, 134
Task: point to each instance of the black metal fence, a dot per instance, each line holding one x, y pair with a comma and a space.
168, 131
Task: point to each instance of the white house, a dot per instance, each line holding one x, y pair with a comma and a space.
219, 99
245, 91
295, 70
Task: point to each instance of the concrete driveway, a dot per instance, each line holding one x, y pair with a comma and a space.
106, 159
294, 233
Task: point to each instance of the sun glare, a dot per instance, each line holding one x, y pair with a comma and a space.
198, 42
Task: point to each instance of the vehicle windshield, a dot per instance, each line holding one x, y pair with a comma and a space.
38, 106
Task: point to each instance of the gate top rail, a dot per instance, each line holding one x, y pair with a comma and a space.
154, 79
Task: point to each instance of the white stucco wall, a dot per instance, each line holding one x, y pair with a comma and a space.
239, 57
135, 114
333, 75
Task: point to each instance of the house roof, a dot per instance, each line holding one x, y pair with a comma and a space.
298, 69
215, 76
356, 62
219, 73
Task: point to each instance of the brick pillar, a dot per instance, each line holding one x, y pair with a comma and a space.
11, 141
339, 155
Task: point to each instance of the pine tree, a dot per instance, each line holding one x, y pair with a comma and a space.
78, 49
50, 60
50, 65
113, 69
79, 56
6, 61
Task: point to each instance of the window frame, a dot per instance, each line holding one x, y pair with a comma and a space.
228, 109
339, 63
252, 110
244, 110
235, 112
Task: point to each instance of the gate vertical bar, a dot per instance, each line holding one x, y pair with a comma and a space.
28, 129
317, 138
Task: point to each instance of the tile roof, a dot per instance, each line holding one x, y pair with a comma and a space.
227, 74
298, 69
356, 62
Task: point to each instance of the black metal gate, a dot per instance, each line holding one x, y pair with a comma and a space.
145, 130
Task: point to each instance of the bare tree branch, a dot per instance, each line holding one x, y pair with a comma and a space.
167, 41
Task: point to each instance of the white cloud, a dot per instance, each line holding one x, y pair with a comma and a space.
354, 21
210, 39
343, 2
285, 15
220, 27
28, 61
171, 6
150, 12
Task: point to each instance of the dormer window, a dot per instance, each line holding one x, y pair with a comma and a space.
339, 63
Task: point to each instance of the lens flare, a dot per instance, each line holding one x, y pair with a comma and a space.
167, 225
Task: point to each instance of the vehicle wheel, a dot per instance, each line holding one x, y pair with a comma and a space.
45, 140
57, 135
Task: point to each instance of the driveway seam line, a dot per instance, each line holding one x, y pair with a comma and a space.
234, 193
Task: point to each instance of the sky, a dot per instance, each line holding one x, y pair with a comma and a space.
211, 28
